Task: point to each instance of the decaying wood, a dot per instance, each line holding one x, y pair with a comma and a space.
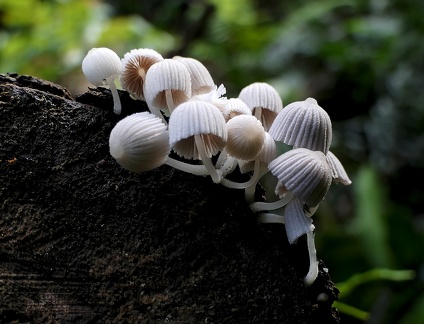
83, 240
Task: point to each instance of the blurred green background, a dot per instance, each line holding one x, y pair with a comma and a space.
362, 60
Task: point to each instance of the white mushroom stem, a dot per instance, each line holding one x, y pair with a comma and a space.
258, 113
116, 101
249, 193
169, 100
259, 206
271, 218
313, 263
243, 185
222, 158
206, 160
199, 170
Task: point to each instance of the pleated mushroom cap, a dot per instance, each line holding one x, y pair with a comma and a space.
167, 75
262, 95
201, 79
135, 65
337, 169
303, 172
140, 142
303, 124
246, 137
192, 118
100, 64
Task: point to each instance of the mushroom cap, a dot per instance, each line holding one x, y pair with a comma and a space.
235, 107
100, 64
266, 155
135, 65
262, 95
303, 172
167, 74
140, 142
246, 137
197, 117
201, 79
338, 171
303, 124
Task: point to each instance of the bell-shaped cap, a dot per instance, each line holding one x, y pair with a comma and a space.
197, 117
135, 65
261, 95
201, 79
338, 171
140, 142
100, 64
303, 124
167, 80
246, 137
303, 172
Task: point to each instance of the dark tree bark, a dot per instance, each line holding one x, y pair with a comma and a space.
83, 240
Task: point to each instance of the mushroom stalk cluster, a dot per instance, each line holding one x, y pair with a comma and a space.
189, 115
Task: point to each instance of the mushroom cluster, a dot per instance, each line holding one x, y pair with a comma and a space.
190, 115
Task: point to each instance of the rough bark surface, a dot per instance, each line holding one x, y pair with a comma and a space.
84, 241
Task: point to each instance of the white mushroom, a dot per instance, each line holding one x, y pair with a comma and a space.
303, 124
139, 142
198, 131
102, 66
167, 84
135, 65
201, 79
263, 100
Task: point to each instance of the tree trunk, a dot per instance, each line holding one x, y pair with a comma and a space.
83, 240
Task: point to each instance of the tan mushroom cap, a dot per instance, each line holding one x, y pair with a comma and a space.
167, 75
303, 124
139, 142
246, 137
303, 172
201, 79
266, 155
264, 96
197, 118
135, 65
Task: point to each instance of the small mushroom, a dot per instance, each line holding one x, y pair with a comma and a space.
303, 172
167, 85
139, 142
246, 137
263, 100
102, 66
197, 130
303, 124
135, 65
201, 79
304, 179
